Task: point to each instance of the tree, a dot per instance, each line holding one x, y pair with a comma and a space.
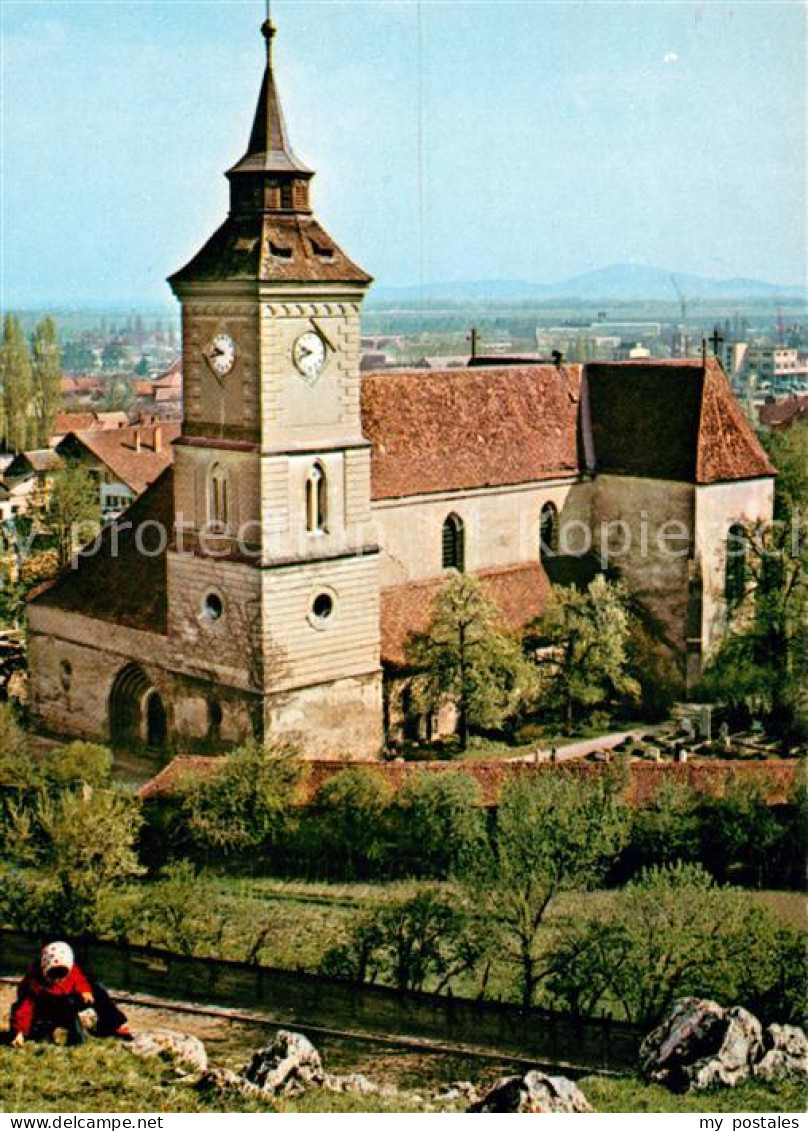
440, 822
73, 510
348, 820
468, 659
758, 668
421, 943
674, 932
18, 387
85, 840
242, 807
17, 769
47, 379
78, 357
582, 649
556, 833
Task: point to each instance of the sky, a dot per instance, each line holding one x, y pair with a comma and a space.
453, 141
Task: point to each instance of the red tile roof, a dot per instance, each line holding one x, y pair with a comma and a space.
784, 413
671, 420
126, 587
455, 429
521, 591
728, 448
774, 778
118, 449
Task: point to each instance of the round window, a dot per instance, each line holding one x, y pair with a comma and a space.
213, 607
322, 606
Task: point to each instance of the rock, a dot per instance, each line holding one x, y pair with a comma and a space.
460, 1090
181, 1048
222, 1080
786, 1053
286, 1066
356, 1084
533, 1093
701, 1044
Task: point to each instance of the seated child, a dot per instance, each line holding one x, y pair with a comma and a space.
56, 1000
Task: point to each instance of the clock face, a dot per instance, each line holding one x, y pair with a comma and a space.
220, 354
308, 355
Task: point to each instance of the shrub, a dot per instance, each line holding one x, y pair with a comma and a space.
347, 824
85, 841
78, 763
674, 932
439, 821
243, 807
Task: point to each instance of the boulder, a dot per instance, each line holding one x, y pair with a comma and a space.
287, 1065
534, 1093
786, 1053
182, 1049
222, 1080
459, 1091
356, 1084
701, 1044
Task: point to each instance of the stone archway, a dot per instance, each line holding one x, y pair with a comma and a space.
137, 715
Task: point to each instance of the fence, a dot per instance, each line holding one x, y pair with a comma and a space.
295, 999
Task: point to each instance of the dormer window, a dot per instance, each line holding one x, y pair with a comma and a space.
317, 500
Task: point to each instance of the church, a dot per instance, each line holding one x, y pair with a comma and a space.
267, 583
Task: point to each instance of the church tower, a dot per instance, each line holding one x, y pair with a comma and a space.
273, 582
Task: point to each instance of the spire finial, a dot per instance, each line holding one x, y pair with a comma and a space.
268, 29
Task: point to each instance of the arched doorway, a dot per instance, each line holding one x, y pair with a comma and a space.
137, 716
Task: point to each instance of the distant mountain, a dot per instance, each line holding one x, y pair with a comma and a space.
620, 281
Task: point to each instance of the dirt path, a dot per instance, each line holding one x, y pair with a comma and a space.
572, 750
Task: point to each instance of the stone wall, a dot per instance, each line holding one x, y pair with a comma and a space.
644, 528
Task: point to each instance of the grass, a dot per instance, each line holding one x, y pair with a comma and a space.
625, 1094
105, 1077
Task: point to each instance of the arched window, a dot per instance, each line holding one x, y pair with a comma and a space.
317, 500
454, 547
735, 571
548, 531
219, 498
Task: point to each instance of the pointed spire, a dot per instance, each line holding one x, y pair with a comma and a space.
269, 150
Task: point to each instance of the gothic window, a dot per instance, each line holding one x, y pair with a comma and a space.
317, 500
735, 570
218, 498
548, 531
454, 546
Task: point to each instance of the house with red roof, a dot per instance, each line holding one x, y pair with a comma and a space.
269, 580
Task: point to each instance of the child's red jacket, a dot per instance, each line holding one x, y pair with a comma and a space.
33, 988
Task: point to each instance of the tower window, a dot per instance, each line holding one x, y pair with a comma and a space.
548, 531
454, 544
317, 500
212, 607
735, 570
286, 195
219, 498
